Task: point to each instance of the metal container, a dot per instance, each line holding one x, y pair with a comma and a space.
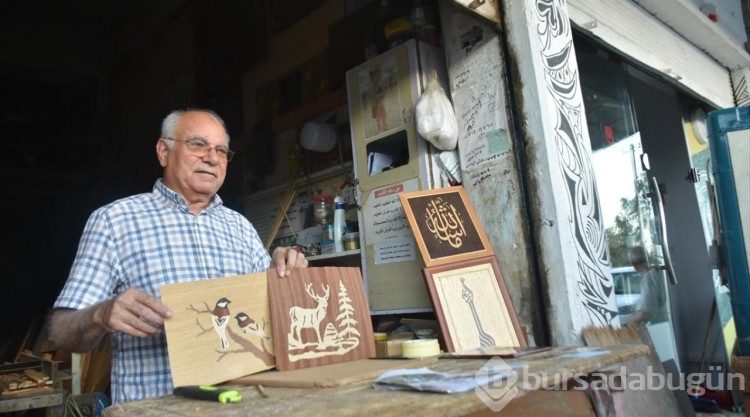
351, 241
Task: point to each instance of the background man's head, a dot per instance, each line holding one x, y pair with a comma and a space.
638, 258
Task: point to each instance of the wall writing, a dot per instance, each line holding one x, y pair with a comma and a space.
479, 104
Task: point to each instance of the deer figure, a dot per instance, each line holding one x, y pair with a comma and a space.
305, 318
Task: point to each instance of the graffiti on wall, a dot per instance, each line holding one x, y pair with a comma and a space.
586, 226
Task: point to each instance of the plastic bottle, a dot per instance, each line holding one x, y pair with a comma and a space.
339, 223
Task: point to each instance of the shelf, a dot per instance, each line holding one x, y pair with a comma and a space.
303, 180
320, 105
335, 255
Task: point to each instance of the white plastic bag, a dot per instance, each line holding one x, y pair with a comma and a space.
435, 118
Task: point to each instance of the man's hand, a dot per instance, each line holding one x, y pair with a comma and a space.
287, 259
132, 312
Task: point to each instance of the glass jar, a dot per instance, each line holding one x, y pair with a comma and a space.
322, 204
350, 241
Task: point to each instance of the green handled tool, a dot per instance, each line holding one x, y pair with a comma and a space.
209, 393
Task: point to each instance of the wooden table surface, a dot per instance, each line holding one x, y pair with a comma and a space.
360, 398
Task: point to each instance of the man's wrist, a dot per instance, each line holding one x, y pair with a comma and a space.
98, 316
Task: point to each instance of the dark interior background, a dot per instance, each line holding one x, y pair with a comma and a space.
84, 85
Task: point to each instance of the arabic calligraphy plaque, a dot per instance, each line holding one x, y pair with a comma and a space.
445, 225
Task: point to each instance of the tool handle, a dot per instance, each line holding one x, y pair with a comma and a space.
208, 393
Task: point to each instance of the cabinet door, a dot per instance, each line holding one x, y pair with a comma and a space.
391, 262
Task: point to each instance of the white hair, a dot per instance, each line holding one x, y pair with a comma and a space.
169, 124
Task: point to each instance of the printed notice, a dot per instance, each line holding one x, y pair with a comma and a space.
385, 218
395, 251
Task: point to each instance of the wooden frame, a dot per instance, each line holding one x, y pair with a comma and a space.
472, 305
320, 316
221, 329
445, 225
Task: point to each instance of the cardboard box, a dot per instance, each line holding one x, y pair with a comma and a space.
388, 349
327, 246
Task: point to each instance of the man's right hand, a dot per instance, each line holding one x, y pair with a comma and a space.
132, 312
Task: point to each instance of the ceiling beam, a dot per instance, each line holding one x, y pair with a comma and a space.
689, 21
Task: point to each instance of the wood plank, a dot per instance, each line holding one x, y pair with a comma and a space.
26, 392
331, 375
36, 376
543, 403
196, 353
43, 397
485, 9
98, 369
360, 398
320, 316
28, 383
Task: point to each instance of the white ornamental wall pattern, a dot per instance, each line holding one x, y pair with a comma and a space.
741, 87
561, 78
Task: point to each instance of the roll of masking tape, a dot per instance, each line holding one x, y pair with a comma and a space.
420, 348
380, 337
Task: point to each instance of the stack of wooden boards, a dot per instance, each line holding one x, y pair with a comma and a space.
19, 379
20, 382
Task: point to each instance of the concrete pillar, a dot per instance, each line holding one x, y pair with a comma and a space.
566, 221
489, 166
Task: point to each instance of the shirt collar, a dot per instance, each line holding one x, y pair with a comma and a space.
175, 199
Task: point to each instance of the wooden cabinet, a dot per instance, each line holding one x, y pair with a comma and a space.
389, 158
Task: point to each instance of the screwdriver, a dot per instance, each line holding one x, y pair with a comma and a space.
209, 393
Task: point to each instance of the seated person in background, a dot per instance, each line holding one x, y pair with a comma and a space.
178, 232
652, 306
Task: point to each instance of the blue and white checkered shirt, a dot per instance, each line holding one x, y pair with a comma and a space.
145, 241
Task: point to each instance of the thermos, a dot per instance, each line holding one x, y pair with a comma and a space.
339, 223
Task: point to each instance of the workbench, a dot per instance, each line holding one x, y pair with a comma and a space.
35, 387
360, 398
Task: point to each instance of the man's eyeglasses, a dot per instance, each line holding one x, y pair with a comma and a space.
200, 148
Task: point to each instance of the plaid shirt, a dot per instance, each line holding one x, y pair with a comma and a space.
145, 241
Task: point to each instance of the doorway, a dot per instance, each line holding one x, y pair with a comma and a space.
653, 203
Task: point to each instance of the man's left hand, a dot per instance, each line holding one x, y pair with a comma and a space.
286, 259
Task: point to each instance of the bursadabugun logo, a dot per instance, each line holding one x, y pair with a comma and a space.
496, 384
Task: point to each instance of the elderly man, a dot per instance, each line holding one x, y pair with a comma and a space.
652, 306
178, 232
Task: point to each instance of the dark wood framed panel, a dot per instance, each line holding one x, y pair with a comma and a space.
445, 225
